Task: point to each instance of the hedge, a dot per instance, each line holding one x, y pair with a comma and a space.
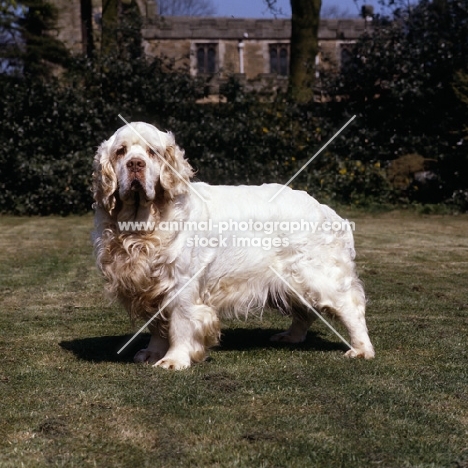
51, 130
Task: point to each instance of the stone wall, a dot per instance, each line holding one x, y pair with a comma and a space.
69, 24
236, 28
178, 37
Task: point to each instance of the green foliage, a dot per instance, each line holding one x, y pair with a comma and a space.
407, 95
52, 128
45, 148
400, 84
246, 141
460, 87
40, 47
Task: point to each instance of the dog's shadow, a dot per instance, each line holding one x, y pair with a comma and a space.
105, 348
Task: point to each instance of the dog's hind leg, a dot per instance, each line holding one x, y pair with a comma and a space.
343, 297
349, 307
297, 332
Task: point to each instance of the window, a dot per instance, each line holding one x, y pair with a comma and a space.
279, 59
206, 59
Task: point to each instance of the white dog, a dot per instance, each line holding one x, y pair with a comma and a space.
189, 253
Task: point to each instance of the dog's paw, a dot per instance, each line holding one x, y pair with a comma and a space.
172, 363
287, 337
146, 356
360, 353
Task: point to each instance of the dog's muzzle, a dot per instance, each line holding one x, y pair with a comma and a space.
136, 181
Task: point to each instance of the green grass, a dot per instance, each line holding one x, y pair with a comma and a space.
67, 398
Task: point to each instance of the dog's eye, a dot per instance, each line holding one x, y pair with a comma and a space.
151, 152
121, 151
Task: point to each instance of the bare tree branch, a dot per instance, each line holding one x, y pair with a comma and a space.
186, 8
274, 8
335, 12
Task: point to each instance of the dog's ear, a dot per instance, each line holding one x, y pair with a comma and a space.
104, 177
176, 172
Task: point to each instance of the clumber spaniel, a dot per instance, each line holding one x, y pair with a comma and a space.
190, 253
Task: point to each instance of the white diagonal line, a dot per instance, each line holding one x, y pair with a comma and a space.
313, 309
160, 310
189, 185
312, 158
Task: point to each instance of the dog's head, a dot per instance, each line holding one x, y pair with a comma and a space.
139, 166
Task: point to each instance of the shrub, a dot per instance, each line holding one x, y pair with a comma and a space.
401, 85
52, 127
47, 138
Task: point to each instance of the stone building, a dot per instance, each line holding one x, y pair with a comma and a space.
255, 50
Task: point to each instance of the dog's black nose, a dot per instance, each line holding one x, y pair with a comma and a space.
136, 164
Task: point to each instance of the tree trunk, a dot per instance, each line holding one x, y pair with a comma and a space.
87, 27
304, 48
110, 21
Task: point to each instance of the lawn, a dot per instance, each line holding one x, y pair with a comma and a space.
68, 399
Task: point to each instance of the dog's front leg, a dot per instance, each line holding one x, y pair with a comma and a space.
191, 331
